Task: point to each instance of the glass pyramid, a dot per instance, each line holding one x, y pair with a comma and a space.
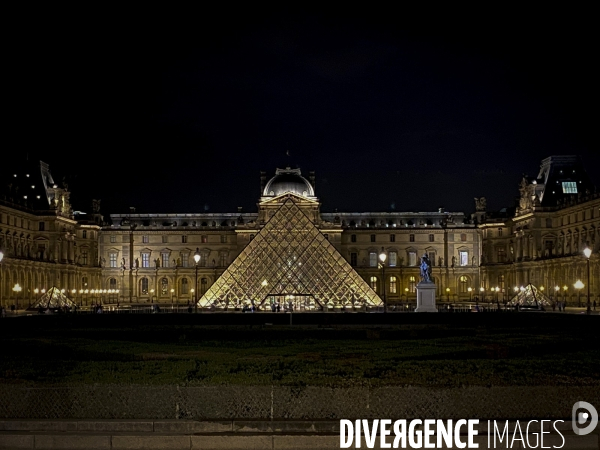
290, 262
530, 296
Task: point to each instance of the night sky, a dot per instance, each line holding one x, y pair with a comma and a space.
178, 111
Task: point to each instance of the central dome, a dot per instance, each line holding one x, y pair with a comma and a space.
288, 180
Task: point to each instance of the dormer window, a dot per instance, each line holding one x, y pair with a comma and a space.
569, 187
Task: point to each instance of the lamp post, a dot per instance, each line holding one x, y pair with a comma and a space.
556, 289
578, 285
382, 258
197, 259
448, 295
172, 295
497, 302
482, 290
17, 288
470, 290
587, 252
565, 287
151, 295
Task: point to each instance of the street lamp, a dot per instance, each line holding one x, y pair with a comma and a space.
17, 288
151, 295
578, 285
565, 290
497, 291
470, 290
448, 294
587, 252
482, 290
197, 259
172, 295
382, 258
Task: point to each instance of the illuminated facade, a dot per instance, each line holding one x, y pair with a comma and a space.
543, 240
148, 258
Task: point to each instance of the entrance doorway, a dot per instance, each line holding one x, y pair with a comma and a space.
297, 302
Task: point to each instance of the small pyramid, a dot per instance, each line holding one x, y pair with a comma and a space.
290, 257
54, 298
530, 296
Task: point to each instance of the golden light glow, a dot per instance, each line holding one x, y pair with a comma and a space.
578, 284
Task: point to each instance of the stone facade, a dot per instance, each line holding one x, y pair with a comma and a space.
149, 258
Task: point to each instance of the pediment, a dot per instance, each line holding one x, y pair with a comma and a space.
296, 198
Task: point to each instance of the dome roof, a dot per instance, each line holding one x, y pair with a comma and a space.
288, 180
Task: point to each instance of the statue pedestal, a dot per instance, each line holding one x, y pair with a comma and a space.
426, 297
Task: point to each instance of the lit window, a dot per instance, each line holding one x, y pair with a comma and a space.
144, 285
145, 239
412, 284
185, 260
145, 259
113, 239
165, 259
569, 187
464, 258
393, 285
112, 259
373, 259
462, 286
412, 258
393, 259
374, 283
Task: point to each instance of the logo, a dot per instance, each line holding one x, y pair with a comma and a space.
582, 417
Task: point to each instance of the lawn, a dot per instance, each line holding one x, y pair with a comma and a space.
503, 351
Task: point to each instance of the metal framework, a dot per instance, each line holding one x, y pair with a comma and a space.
290, 258
530, 296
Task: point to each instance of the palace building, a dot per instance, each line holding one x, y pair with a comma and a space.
289, 252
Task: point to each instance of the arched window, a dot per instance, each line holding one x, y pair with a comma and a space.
463, 281
393, 285
185, 288
164, 286
412, 284
373, 283
144, 286
112, 283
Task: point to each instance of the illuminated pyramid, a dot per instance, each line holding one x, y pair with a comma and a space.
530, 296
290, 260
